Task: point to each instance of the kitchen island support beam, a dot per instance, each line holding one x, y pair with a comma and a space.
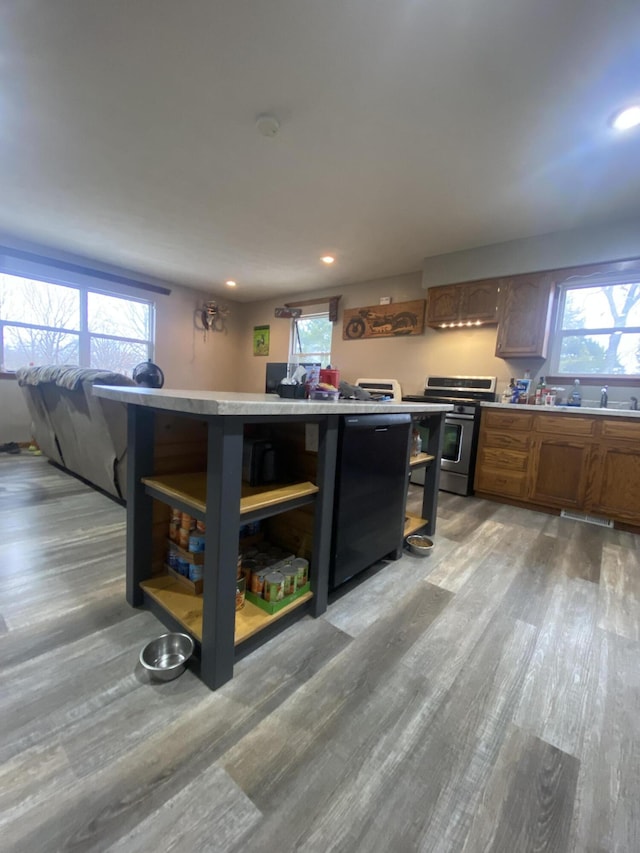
140, 448
224, 477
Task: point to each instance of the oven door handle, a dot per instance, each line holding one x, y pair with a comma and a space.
454, 416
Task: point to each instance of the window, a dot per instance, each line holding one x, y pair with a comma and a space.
311, 339
598, 329
45, 323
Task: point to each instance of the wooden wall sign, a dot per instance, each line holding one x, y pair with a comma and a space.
383, 321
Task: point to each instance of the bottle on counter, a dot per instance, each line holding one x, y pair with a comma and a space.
540, 392
575, 397
507, 394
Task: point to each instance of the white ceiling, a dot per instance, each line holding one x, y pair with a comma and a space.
408, 128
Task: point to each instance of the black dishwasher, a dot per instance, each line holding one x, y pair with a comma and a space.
370, 492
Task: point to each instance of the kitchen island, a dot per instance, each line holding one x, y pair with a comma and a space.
185, 451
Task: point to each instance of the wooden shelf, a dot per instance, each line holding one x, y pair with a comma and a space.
191, 489
420, 459
187, 608
414, 523
177, 601
251, 619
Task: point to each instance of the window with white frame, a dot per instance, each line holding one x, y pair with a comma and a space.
598, 329
46, 323
311, 339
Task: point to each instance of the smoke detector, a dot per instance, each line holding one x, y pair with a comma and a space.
267, 125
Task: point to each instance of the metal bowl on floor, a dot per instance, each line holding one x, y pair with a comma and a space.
165, 657
419, 545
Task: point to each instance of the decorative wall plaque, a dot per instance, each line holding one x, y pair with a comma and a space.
383, 321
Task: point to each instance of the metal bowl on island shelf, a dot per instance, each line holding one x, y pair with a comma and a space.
165, 658
419, 545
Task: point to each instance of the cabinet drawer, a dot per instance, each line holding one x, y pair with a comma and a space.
620, 429
497, 457
559, 424
507, 440
512, 484
494, 419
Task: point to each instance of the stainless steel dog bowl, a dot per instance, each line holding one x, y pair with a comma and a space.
165, 657
419, 545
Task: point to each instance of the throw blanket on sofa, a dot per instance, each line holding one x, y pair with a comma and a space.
69, 376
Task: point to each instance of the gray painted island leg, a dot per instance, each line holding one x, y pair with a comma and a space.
140, 443
224, 476
432, 474
323, 518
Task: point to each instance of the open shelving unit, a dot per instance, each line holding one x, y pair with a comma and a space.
187, 609
413, 523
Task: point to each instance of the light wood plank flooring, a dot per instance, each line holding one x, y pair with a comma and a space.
486, 698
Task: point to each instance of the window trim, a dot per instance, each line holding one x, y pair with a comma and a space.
600, 275
306, 357
84, 334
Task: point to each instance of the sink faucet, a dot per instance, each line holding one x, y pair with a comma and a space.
604, 397
634, 404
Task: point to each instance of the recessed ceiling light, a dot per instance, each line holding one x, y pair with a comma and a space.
627, 118
230, 283
327, 259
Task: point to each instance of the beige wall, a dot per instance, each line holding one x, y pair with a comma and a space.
408, 359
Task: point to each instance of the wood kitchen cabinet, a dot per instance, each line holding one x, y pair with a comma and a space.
616, 489
524, 315
553, 460
471, 302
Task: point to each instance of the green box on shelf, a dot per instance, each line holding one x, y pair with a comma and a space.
274, 606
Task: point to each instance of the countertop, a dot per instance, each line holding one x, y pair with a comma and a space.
569, 410
237, 403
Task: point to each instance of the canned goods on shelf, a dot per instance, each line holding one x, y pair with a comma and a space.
257, 580
195, 572
302, 568
240, 593
188, 521
196, 542
274, 586
290, 581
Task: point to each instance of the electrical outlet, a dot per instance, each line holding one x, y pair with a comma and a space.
385, 300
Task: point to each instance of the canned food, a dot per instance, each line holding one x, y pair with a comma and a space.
274, 586
188, 521
240, 593
183, 537
183, 567
172, 559
257, 580
174, 527
176, 515
200, 526
302, 569
196, 542
290, 581
195, 572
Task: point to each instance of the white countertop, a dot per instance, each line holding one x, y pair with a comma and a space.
237, 403
569, 410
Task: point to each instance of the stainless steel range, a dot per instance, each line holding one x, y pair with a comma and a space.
461, 426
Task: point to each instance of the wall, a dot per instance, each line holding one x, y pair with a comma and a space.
408, 359
596, 244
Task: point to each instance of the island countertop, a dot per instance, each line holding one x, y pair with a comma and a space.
568, 410
239, 403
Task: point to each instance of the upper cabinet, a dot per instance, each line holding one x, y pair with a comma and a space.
473, 302
524, 315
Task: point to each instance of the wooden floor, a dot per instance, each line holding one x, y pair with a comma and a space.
486, 698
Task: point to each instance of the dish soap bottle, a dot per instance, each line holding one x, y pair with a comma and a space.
575, 398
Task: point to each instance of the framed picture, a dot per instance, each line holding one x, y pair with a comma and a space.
383, 321
261, 340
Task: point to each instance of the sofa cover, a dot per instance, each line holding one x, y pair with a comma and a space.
83, 433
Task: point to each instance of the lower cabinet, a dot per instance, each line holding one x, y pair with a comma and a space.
558, 474
561, 461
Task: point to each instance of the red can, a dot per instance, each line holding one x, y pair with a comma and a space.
331, 377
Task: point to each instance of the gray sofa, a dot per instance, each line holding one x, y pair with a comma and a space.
75, 429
